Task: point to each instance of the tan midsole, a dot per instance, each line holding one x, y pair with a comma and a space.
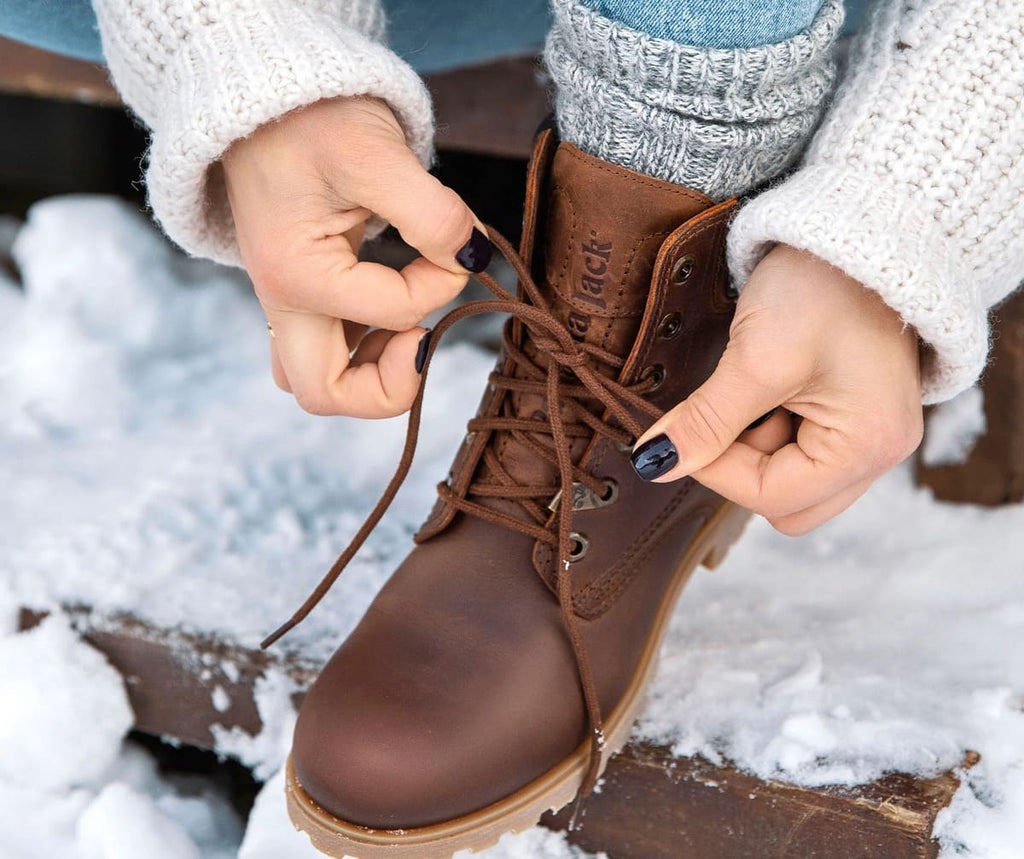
554, 788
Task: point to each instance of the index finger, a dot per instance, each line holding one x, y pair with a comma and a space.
821, 463
326, 380
333, 281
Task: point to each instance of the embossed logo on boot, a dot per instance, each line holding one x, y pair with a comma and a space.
588, 289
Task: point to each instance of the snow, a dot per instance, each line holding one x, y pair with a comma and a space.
122, 823
152, 467
70, 785
266, 752
220, 699
953, 428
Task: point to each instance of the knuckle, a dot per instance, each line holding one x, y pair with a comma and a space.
445, 220
394, 408
891, 446
401, 318
702, 422
892, 436
394, 403
890, 455
269, 277
315, 402
773, 511
791, 526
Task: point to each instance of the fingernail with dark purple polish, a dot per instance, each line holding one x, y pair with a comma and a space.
422, 350
763, 419
475, 254
655, 457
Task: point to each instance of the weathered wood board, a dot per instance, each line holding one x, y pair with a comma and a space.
492, 108
652, 805
993, 473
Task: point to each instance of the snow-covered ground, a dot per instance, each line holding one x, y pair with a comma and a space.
150, 465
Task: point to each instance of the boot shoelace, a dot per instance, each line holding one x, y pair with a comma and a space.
557, 354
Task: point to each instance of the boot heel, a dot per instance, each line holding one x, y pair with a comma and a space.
726, 528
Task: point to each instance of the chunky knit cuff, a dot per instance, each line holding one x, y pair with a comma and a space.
914, 183
886, 242
202, 75
716, 120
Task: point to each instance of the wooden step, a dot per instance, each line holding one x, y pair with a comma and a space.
652, 805
493, 108
993, 473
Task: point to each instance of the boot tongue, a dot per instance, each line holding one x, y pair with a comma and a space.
602, 231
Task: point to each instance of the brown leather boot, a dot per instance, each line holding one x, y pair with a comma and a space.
483, 687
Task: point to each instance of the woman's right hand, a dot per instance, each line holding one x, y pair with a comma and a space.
301, 190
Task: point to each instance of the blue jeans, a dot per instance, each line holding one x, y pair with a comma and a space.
446, 34
713, 23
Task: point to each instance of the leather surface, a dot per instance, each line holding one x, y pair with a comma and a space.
459, 686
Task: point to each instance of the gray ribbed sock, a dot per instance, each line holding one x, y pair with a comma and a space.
716, 120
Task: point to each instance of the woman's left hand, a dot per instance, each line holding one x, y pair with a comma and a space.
813, 342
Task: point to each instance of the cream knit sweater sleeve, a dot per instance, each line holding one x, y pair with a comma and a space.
914, 185
202, 74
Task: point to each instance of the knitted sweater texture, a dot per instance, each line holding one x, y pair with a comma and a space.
912, 185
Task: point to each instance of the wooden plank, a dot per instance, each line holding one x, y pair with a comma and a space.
171, 677
492, 108
994, 472
656, 806
25, 70
652, 805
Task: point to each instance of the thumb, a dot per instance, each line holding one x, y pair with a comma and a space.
430, 216
700, 429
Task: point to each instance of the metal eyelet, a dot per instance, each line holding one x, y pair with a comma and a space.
682, 269
670, 326
625, 446
656, 374
580, 547
584, 498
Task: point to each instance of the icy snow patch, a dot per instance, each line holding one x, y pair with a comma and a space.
953, 428
69, 785
124, 824
536, 843
270, 834
57, 688
266, 752
220, 699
